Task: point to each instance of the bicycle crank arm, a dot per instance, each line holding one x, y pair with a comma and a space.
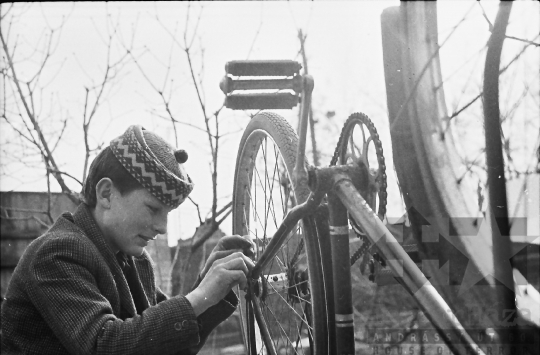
289, 222
434, 306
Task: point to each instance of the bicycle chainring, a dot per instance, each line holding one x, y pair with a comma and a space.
361, 121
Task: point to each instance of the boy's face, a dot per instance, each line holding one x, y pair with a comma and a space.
133, 220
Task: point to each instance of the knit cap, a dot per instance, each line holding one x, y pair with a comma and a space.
154, 163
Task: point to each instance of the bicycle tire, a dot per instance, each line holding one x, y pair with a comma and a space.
294, 312
430, 162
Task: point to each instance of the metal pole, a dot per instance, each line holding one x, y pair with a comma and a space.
341, 269
288, 224
300, 172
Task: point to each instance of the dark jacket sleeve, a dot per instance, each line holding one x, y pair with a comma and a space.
62, 284
212, 317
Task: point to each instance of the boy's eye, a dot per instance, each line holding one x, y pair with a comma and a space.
153, 209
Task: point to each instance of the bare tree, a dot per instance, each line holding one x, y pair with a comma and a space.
96, 93
512, 98
26, 121
40, 130
190, 46
40, 125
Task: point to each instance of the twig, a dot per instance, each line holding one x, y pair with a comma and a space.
255, 37
198, 210
60, 135
160, 93
501, 71
505, 36
224, 217
7, 11
523, 40
37, 128
485, 16
224, 208
177, 121
49, 197
56, 171
111, 71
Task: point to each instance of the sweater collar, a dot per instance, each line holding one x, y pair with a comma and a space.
84, 219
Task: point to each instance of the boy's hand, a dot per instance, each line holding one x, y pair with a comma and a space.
225, 247
222, 276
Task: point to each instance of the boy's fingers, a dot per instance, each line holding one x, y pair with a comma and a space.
224, 253
231, 256
238, 278
238, 261
243, 282
249, 263
235, 242
237, 264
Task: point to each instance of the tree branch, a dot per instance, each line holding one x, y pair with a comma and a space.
55, 171
37, 128
501, 71
498, 204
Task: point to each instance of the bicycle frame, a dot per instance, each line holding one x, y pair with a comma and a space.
341, 184
344, 197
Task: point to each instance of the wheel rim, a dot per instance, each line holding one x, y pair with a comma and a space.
283, 290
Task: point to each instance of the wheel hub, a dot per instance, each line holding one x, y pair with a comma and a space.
297, 289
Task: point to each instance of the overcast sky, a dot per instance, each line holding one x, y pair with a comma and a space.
343, 46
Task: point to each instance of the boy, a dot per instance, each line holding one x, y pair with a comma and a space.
87, 285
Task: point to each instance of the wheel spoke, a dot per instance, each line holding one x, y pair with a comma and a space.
285, 302
366, 151
272, 210
283, 331
268, 195
288, 333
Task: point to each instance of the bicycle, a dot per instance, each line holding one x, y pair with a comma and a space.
299, 293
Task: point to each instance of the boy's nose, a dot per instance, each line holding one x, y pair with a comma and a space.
160, 225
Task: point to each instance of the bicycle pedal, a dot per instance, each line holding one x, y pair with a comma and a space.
263, 67
262, 84
262, 101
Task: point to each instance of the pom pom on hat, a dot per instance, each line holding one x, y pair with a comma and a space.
181, 156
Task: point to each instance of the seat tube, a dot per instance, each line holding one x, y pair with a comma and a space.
339, 240
300, 174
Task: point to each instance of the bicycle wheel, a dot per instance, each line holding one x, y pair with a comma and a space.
291, 299
435, 100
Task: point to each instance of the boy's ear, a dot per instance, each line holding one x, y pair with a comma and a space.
104, 190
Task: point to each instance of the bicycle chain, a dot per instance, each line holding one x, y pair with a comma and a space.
381, 178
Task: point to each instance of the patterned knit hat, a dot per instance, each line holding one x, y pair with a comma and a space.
154, 164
